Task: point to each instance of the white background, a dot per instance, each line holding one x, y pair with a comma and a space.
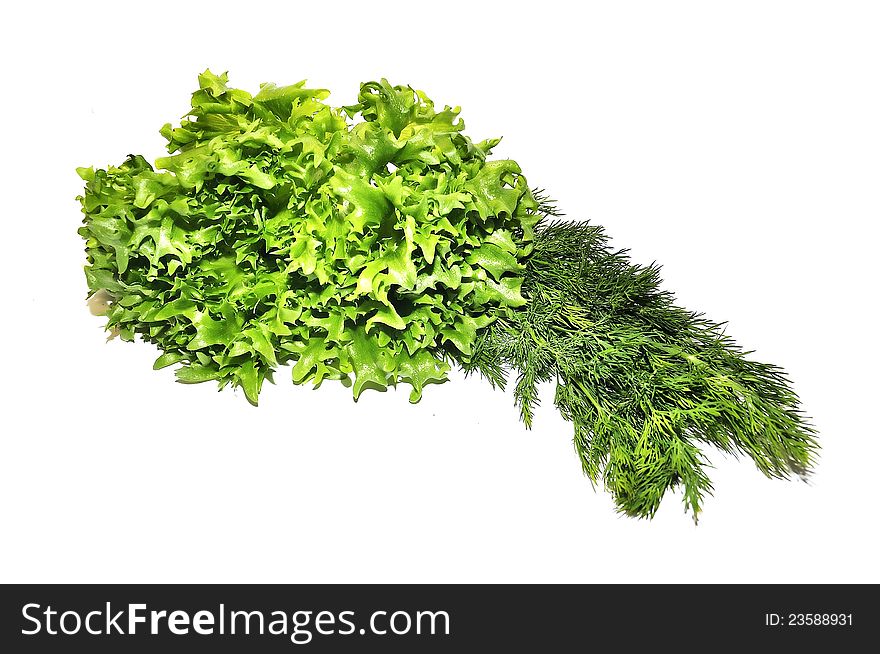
736, 143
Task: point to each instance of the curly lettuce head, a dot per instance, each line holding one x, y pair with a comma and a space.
283, 230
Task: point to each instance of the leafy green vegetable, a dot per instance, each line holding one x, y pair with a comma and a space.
278, 231
376, 243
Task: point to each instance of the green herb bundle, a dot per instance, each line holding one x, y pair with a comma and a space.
376, 244
645, 382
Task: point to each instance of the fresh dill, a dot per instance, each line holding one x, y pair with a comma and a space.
646, 383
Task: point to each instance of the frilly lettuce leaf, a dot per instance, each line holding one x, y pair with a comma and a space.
368, 243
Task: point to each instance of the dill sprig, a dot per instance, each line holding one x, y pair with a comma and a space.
645, 382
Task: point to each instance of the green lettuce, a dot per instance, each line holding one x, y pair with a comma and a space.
368, 243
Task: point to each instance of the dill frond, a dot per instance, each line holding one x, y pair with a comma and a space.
646, 383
